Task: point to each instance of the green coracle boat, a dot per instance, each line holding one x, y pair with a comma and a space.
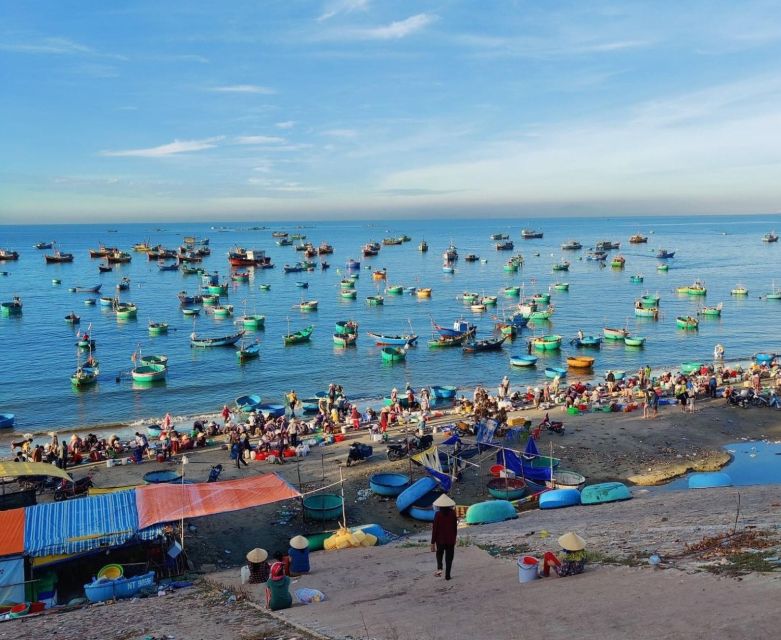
346, 327
265, 287
469, 297
662, 267
394, 290
647, 312
393, 354
149, 373
636, 279
687, 322
696, 289
126, 311
154, 359
253, 321
299, 336
211, 299
347, 284
561, 286
687, 368
634, 341
348, 294
541, 298
221, 311
510, 267
547, 343
158, 328
345, 339
85, 376
512, 292
218, 289
711, 312
375, 301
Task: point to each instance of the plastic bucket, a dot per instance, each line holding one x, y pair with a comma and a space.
527, 569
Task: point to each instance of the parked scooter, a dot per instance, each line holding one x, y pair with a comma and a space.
70, 489
358, 452
409, 446
552, 425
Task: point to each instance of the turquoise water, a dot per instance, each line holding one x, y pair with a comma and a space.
752, 463
40, 354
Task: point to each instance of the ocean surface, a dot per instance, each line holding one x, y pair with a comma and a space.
40, 354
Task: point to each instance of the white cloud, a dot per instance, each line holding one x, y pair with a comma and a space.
244, 88
336, 7
287, 124
55, 46
394, 30
258, 140
340, 133
172, 148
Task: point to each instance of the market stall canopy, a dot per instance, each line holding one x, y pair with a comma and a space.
11, 532
19, 469
171, 502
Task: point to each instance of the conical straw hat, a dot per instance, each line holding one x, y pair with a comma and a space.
299, 542
444, 501
257, 555
572, 542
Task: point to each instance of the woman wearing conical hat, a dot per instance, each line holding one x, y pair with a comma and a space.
259, 569
443, 533
299, 555
572, 562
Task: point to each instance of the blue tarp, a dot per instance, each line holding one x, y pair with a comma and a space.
83, 524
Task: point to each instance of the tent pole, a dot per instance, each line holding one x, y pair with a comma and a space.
344, 509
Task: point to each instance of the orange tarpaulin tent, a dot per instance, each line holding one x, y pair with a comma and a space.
169, 502
11, 532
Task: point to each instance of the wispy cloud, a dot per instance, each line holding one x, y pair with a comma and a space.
287, 124
394, 30
259, 140
340, 133
336, 7
172, 148
244, 88
55, 46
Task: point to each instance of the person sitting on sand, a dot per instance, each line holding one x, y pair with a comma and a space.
573, 560
259, 568
278, 587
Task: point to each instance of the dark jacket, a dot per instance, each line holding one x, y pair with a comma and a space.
445, 527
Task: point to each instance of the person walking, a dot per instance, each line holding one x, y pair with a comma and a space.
443, 533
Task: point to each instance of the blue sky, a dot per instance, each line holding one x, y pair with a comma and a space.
360, 108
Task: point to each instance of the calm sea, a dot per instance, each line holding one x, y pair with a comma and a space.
39, 353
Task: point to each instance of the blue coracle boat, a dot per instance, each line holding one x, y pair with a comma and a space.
604, 492
7, 420
709, 480
388, 484
103, 589
414, 493
444, 393
558, 498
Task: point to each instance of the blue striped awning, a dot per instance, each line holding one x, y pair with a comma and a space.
83, 524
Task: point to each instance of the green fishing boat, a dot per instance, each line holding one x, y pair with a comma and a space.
711, 312
345, 339
348, 294
347, 283
647, 312
85, 376
489, 301
393, 354
650, 300
512, 292
346, 327
13, 308
687, 368
511, 266
211, 299
191, 311
469, 297
662, 267
222, 312
547, 343
148, 373
375, 301
687, 322
308, 305
636, 279
218, 289
394, 290
126, 311
634, 341
299, 336
265, 287
541, 298
561, 286
253, 321
739, 290
696, 289
158, 328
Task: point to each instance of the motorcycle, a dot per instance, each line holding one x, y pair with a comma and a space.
552, 425
408, 447
358, 452
70, 488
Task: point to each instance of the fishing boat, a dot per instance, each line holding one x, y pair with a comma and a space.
505, 245
118, 257
443, 392
771, 236
157, 328
391, 242
7, 255
147, 373
299, 336
324, 249
607, 245
563, 265
222, 341
13, 308
638, 238
302, 285
84, 342
662, 267
380, 274
546, 343
187, 299
125, 310
561, 286
348, 294
642, 311
614, 334
157, 359
490, 344
85, 376
471, 257
191, 312
511, 266
596, 256
369, 250
282, 234
393, 354
711, 312
353, 264
618, 262
385, 340
240, 276
687, 322
142, 247
451, 253
218, 289
739, 290
285, 242
500, 236
530, 234
7, 420
102, 251
663, 254
555, 372
249, 352
448, 268
586, 341
295, 268
72, 318
469, 297
345, 339
774, 294
650, 300
123, 285
688, 368
43, 245
56, 257
210, 299
248, 403
346, 327
636, 279
456, 340
308, 305
696, 289
571, 245
394, 290
634, 341
89, 302
478, 307
423, 246
105, 268
580, 362
542, 314
563, 479
512, 292
523, 361
253, 321
423, 293
240, 257
375, 301
265, 287
95, 289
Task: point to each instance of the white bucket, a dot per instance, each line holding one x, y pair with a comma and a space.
527, 569
376, 437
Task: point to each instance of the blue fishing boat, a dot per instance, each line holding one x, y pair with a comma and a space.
154, 430
604, 492
415, 492
443, 392
223, 341
388, 484
523, 361
555, 372
490, 511
271, 410
7, 420
709, 480
248, 403
587, 341
384, 340
103, 589
558, 498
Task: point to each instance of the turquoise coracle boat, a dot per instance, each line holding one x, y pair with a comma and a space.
604, 492
490, 511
